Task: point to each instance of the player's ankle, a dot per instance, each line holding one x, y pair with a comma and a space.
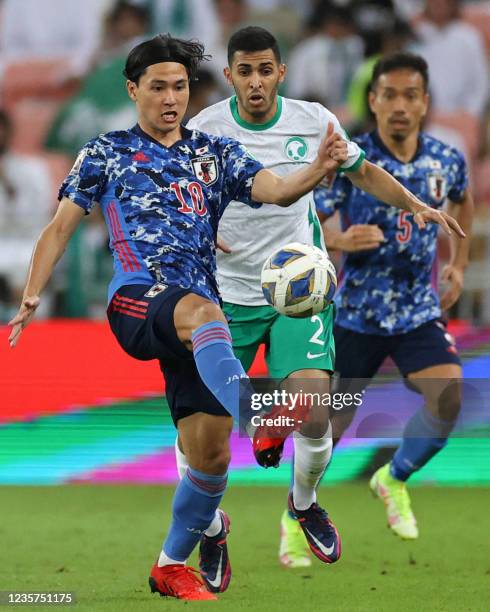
164, 559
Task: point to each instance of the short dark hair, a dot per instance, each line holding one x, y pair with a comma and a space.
164, 48
141, 12
399, 61
252, 38
5, 120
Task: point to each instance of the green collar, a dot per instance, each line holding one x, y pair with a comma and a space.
257, 127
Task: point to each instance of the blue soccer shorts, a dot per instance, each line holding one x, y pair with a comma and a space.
361, 355
142, 319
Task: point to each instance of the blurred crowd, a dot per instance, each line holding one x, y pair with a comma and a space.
61, 84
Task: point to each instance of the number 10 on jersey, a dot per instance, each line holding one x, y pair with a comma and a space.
196, 194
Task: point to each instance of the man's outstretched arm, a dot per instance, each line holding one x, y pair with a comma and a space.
269, 188
48, 249
453, 272
379, 183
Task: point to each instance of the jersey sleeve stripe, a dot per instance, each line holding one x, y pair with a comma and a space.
117, 244
356, 165
124, 242
128, 254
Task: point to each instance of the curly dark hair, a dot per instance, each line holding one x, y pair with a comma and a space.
164, 48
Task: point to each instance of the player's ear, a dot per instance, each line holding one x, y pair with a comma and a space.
283, 70
227, 73
427, 102
371, 99
131, 88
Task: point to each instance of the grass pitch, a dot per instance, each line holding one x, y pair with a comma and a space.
100, 541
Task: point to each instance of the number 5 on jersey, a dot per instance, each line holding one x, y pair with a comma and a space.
404, 226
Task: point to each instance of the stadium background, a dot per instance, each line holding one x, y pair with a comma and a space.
73, 407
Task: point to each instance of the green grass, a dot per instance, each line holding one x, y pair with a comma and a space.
101, 541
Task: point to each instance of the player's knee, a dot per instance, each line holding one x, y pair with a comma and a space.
208, 455
445, 406
191, 312
206, 312
449, 404
214, 461
317, 423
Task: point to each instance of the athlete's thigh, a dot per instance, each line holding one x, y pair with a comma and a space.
249, 327
428, 359
302, 344
185, 391
426, 346
359, 355
142, 319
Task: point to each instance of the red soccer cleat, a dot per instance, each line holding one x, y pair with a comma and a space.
180, 581
269, 437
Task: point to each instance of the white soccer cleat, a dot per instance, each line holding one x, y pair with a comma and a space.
394, 495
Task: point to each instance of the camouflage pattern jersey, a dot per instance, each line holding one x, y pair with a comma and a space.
393, 289
162, 204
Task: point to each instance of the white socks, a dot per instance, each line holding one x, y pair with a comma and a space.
180, 460
182, 465
163, 559
311, 457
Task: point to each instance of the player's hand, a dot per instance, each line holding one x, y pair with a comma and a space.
360, 238
222, 246
333, 150
23, 317
432, 215
453, 278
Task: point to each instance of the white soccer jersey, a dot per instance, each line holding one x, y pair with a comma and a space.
286, 143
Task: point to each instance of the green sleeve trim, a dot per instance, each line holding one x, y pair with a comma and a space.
317, 227
356, 165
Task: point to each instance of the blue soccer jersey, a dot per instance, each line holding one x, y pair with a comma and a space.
162, 204
392, 289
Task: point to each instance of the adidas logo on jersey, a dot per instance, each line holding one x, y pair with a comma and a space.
140, 157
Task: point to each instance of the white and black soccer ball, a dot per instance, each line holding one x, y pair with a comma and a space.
298, 280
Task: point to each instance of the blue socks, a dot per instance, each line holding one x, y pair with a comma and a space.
423, 437
217, 365
196, 500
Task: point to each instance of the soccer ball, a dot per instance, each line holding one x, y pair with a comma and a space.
298, 280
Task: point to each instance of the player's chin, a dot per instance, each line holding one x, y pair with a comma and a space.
170, 121
257, 108
399, 135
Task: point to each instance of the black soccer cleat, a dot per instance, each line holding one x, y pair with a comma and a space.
214, 562
321, 534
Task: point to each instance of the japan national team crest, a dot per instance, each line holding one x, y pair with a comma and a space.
437, 187
205, 168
